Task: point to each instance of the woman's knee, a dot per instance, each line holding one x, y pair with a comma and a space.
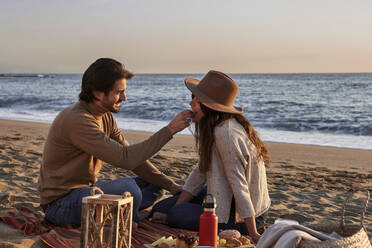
166, 204
185, 215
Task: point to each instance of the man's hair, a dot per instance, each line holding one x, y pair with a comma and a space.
101, 76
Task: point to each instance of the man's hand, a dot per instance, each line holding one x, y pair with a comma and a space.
176, 189
180, 122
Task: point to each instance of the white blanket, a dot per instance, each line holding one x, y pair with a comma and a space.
288, 234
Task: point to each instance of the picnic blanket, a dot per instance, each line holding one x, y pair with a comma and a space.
33, 224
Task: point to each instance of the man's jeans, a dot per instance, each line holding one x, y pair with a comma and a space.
67, 210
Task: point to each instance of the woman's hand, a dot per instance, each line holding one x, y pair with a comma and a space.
176, 188
184, 197
250, 222
255, 237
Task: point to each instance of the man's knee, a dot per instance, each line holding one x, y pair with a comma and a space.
122, 185
129, 185
67, 210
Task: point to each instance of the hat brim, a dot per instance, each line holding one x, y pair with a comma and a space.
192, 83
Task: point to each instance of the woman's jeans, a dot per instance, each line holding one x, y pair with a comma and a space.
67, 210
186, 215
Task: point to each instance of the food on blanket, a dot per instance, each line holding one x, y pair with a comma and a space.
164, 242
184, 241
233, 242
221, 242
232, 238
229, 234
245, 240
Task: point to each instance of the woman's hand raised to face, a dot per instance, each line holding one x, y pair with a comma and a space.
180, 122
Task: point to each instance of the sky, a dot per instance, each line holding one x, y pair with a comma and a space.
193, 36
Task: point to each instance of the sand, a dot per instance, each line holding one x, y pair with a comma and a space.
306, 183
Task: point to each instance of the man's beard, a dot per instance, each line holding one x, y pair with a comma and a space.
115, 110
111, 107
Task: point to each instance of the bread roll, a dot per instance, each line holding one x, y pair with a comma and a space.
229, 234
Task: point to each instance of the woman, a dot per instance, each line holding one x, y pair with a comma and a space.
232, 163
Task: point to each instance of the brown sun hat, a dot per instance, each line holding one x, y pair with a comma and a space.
216, 90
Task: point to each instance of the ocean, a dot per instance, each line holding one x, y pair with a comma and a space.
315, 109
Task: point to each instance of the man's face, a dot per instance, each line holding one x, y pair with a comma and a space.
112, 100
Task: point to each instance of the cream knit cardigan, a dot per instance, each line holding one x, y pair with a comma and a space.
235, 171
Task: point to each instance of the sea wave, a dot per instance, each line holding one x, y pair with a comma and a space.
324, 104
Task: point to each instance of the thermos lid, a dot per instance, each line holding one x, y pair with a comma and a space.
209, 201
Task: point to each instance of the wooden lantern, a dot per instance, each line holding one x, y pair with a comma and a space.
106, 220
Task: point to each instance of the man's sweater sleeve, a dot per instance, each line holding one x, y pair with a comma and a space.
87, 136
148, 172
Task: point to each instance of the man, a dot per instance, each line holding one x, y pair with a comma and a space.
85, 134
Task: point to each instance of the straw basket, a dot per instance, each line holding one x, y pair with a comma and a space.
106, 220
353, 235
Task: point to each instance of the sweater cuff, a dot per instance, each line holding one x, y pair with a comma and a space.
167, 132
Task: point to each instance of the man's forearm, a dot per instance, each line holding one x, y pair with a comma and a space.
148, 172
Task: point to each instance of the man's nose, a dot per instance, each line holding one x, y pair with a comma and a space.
123, 96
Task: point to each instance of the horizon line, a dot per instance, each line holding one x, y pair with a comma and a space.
181, 73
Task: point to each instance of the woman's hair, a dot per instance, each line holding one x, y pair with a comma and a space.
101, 76
204, 135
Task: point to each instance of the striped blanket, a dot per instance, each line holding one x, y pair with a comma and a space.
34, 224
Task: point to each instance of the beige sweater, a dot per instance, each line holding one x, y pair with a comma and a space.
80, 138
235, 171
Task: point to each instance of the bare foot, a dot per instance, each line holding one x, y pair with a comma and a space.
134, 225
160, 218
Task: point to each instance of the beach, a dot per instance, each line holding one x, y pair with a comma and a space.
307, 183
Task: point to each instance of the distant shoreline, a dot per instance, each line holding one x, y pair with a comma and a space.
26, 75
159, 126
35, 74
310, 155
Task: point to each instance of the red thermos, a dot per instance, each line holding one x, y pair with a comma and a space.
208, 222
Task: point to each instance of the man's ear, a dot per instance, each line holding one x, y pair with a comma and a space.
98, 94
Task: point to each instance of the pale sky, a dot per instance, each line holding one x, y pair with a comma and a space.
193, 36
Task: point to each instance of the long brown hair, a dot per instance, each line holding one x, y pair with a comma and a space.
204, 135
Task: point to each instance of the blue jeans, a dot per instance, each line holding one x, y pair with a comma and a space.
67, 210
186, 215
